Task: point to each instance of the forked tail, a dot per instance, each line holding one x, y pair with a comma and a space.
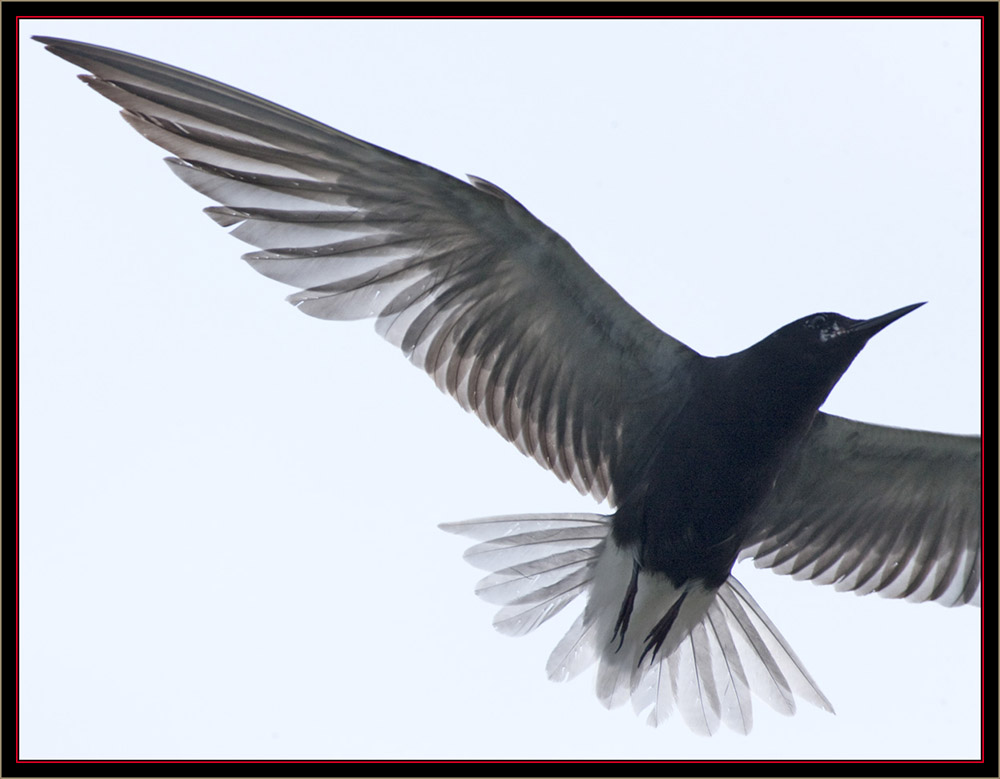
700, 650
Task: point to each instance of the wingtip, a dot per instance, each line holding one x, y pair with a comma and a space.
52, 43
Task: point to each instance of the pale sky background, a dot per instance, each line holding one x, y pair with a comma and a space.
228, 510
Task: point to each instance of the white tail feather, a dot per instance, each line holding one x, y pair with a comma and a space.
720, 647
540, 563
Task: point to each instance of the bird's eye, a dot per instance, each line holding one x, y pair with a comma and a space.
817, 322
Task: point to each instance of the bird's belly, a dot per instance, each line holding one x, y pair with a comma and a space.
691, 518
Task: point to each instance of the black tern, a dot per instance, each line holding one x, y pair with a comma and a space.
704, 460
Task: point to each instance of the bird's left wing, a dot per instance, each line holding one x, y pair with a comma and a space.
877, 509
495, 306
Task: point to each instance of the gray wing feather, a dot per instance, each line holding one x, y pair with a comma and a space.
496, 307
877, 509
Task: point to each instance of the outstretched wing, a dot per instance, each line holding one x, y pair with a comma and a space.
495, 306
877, 509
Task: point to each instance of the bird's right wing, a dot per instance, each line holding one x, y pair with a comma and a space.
494, 305
877, 509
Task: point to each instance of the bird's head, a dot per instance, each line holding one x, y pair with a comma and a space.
822, 336
811, 354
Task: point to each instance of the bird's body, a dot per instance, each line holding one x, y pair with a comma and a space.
717, 456
688, 508
704, 459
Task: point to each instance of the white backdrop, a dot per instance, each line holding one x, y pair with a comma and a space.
228, 510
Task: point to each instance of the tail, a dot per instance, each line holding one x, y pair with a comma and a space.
701, 650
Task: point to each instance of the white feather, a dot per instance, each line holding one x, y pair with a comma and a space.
720, 648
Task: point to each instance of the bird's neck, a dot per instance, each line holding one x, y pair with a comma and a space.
771, 402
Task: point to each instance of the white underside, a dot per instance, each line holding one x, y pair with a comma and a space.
720, 648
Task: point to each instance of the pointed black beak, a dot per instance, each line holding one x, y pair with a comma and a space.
868, 327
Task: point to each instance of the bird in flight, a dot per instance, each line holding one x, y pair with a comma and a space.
704, 460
